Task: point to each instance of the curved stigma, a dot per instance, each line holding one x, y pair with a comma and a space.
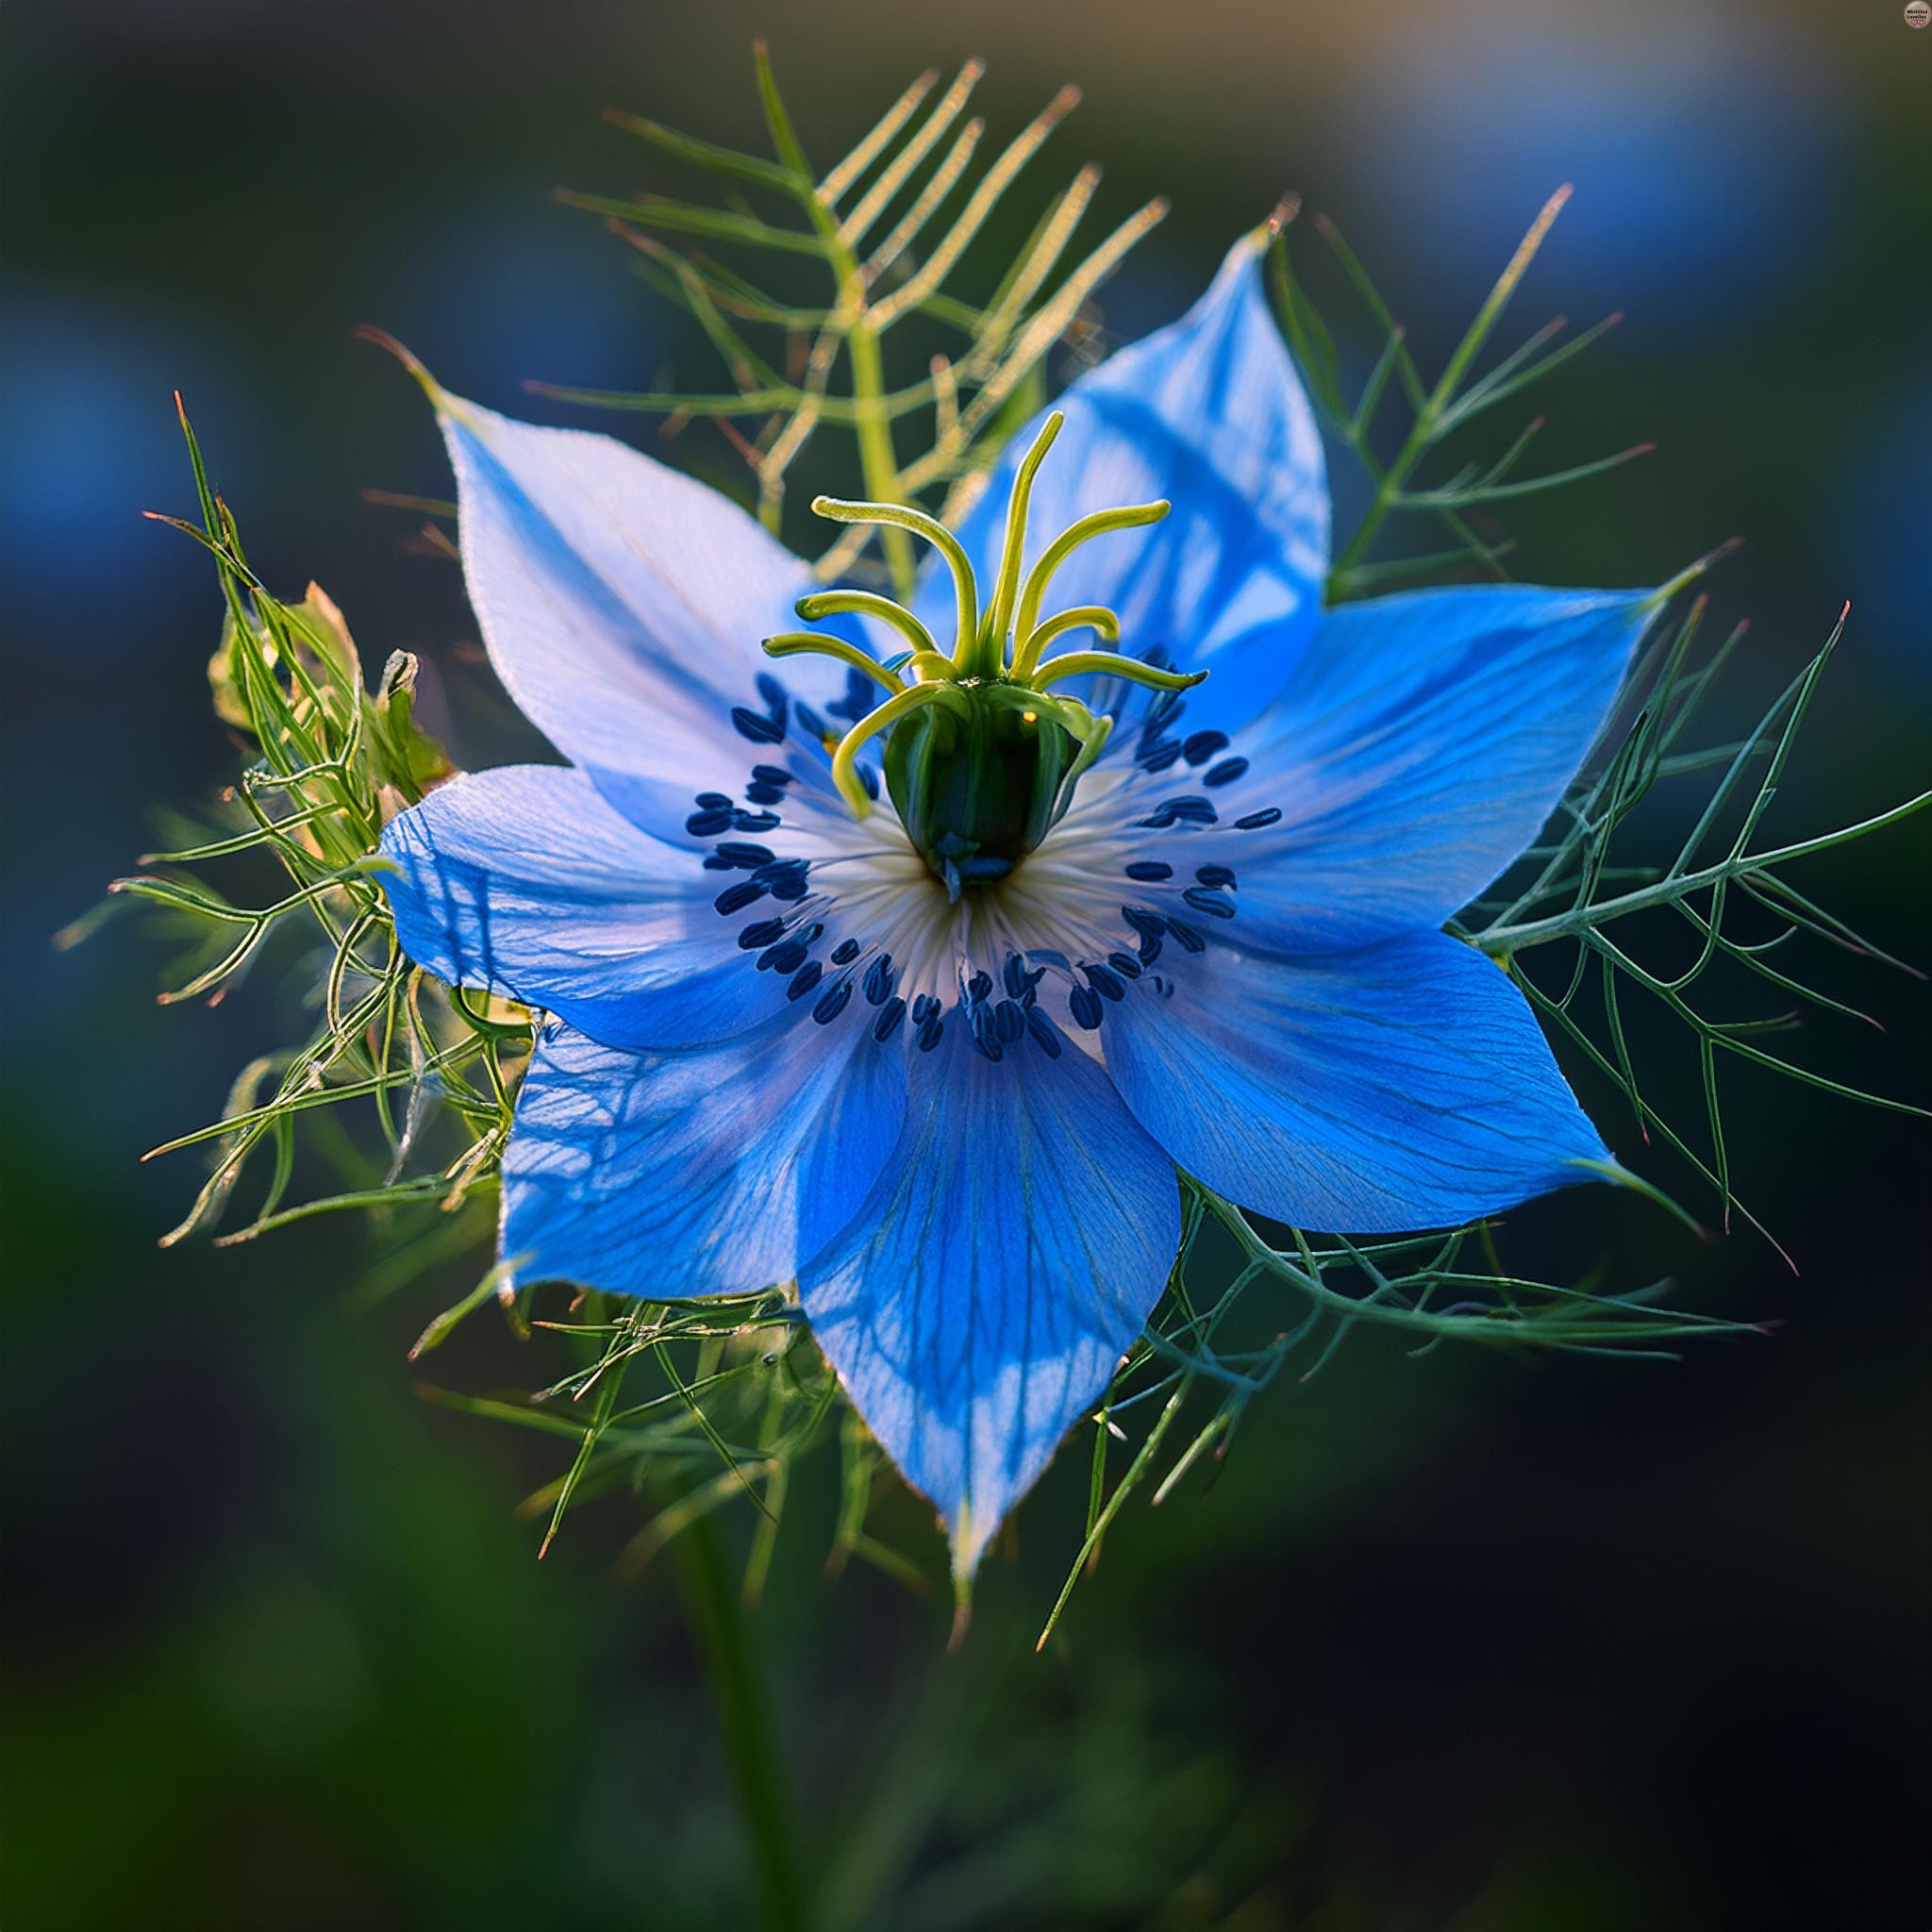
845, 759
1001, 662
1006, 585
935, 533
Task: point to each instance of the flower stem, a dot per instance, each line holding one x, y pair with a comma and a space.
717, 1620
877, 462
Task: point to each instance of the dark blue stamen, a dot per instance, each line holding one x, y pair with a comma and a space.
1206, 899
1215, 874
1253, 821
708, 824
763, 794
1009, 1022
878, 980
1045, 1034
712, 801
1225, 772
786, 958
978, 987
736, 898
754, 821
1202, 745
771, 774
831, 1003
1106, 982
773, 694
1125, 964
785, 878
805, 979
1150, 870
1189, 809
1021, 983
860, 695
760, 730
925, 1008
813, 725
889, 1015
744, 855
1189, 936
765, 933
930, 1031
1084, 1004
846, 952
1160, 754
869, 779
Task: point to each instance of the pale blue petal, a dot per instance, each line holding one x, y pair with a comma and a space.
1209, 414
1014, 1246
692, 1173
523, 882
1407, 1085
623, 604
1421, 746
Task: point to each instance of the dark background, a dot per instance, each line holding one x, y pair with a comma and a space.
1453, 1643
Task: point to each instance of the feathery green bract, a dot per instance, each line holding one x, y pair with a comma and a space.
700, 1406
890, 225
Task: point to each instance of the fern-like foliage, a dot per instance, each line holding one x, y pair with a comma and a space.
890, 225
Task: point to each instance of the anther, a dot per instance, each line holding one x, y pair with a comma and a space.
832, 1002
1205, 899
755, 726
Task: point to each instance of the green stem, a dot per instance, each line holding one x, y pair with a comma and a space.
1500, 939
871, 411
878, 463
717, 1619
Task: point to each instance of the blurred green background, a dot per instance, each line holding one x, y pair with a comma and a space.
1452, 1643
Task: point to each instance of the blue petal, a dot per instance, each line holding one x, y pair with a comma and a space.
988, 1285
690, 1173
1209, 414
1421, 746
1407, 1085
623, 604
523, 882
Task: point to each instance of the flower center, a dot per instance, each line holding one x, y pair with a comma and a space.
981, 756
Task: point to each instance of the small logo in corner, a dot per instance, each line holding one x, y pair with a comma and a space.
1917, 13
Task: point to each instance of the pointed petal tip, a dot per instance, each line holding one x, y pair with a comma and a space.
1279, 216
1611, 1169
368, 332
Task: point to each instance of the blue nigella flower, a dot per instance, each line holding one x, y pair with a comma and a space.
918, 997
